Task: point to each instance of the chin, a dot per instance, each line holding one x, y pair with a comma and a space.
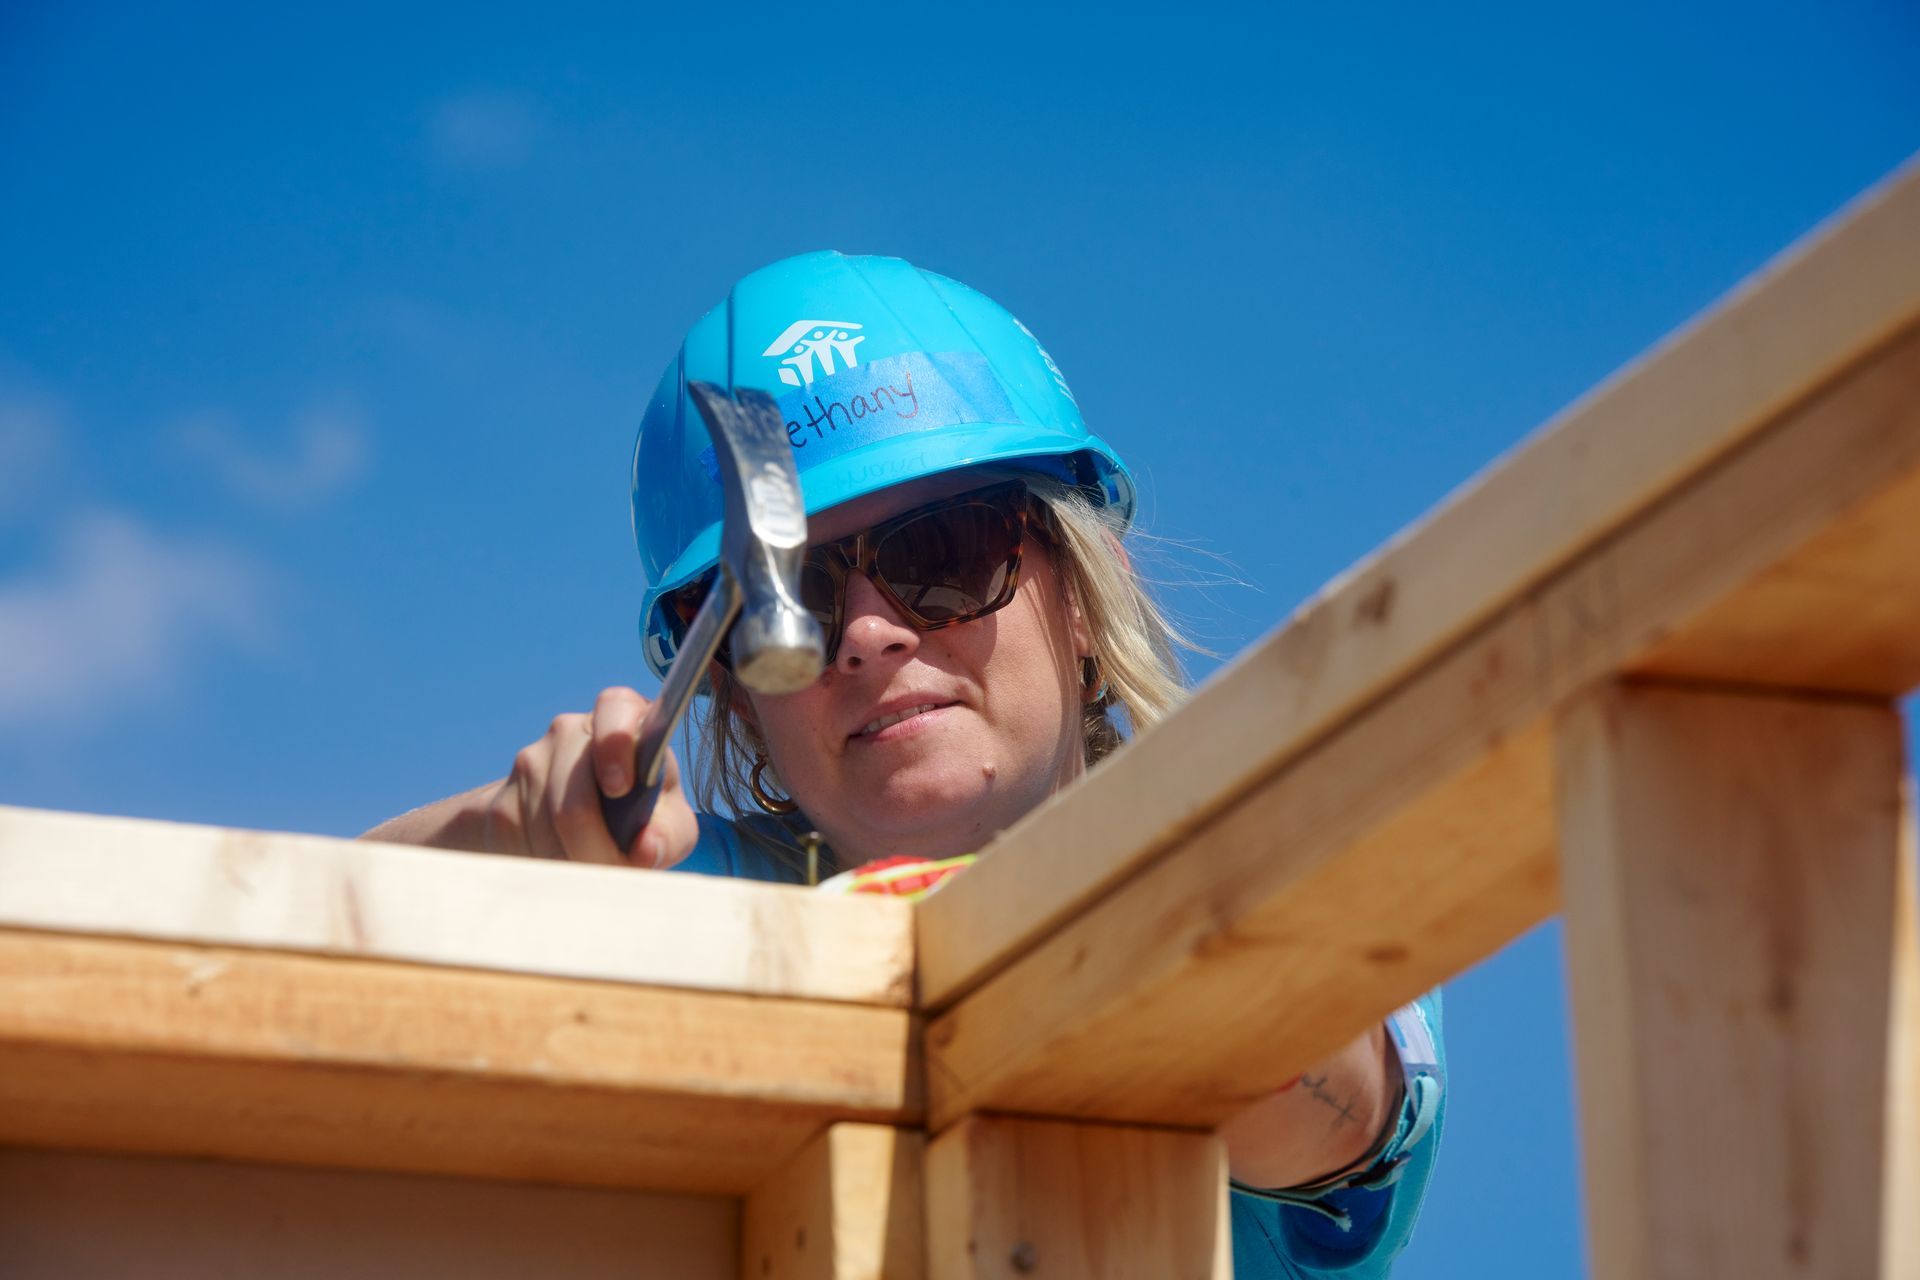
938, 807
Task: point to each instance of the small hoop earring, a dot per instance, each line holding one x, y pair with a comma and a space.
778, 806
1093, 687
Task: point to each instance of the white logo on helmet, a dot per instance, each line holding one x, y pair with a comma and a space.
807, 343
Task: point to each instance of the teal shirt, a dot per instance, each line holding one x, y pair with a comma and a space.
1354, 1233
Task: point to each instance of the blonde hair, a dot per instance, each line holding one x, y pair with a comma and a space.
1133, 642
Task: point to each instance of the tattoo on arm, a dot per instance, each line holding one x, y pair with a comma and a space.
1317, 1087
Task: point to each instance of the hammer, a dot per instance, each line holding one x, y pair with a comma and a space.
777, 647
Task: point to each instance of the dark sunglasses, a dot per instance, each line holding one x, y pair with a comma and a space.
940, 565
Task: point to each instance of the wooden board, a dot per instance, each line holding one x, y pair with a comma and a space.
1418, 837
1830, 301
392, 902
849, 1206
65, 1216
1008, 1198
1732, 873
164, 1048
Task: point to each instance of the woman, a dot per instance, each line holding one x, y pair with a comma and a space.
987, 641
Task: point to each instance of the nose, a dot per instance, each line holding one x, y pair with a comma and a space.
873, 630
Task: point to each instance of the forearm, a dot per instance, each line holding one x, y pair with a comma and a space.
458, 822
1320, 1124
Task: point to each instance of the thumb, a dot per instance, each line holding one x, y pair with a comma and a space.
674, 828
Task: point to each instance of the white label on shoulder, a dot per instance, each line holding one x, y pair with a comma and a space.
1414, 1041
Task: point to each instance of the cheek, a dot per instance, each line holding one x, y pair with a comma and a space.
1032, 672
787, 727
1049, 645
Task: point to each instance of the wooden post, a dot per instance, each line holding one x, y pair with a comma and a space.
1730, 866
1010, 1198
849, 1206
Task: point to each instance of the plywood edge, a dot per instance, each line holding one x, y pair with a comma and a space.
1830, 301
220, 886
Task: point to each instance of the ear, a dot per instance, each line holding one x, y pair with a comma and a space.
1078, 627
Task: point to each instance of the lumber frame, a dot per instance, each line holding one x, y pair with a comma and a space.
1419, 837
1732, 866
1843, 292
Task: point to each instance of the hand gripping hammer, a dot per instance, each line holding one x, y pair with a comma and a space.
777, 647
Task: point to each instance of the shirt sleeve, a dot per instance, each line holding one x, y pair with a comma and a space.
1353, 1232
743, 851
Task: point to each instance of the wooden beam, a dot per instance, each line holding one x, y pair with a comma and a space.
211, 885
1419, 837
1732, 867
849, 1206
252, 1055
1008, 1198
1840, 294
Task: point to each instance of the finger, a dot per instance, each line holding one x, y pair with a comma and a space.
675, 828
534, 771
504, 827
515, 811
573, 803
617, 716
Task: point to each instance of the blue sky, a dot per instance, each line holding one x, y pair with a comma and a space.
323, 339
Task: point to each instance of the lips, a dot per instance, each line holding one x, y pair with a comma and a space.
874, 726
895, 712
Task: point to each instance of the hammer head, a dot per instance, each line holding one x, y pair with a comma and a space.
776, 645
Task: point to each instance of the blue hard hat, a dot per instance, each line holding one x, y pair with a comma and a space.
883, 372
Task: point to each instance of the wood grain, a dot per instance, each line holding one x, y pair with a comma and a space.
1731, 865
1828, 302
849, 1206
343, 897
1010, 1198
1419, 837
150, 1047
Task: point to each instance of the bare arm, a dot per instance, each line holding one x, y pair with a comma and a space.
458, 822
548, 806
1321, 1124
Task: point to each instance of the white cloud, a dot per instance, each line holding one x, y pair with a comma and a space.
485, 130
119, 616
329, 454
